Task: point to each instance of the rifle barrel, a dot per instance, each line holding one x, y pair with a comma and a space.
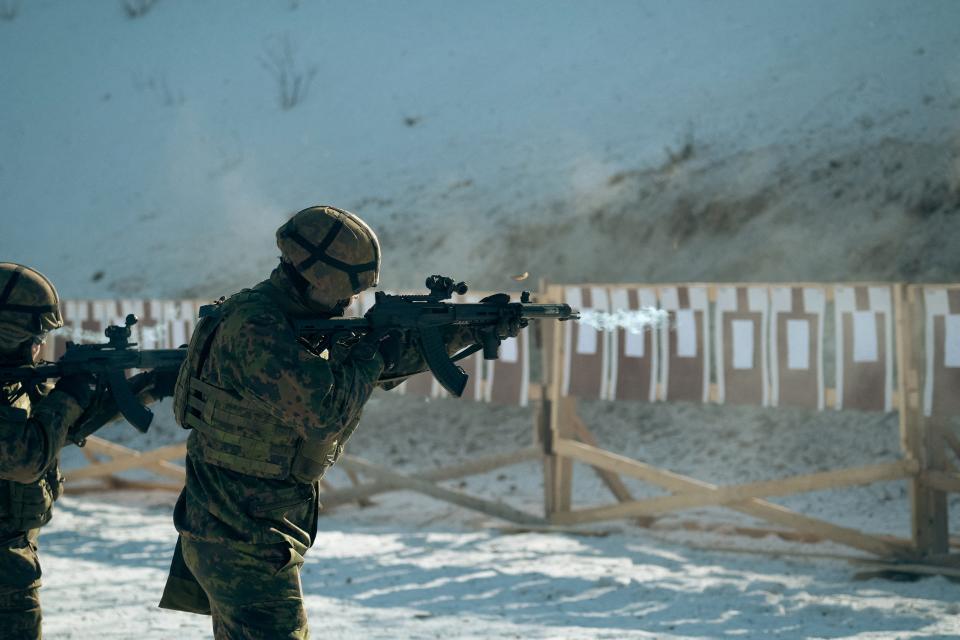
551, 311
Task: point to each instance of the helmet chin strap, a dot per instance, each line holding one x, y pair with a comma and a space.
303, 288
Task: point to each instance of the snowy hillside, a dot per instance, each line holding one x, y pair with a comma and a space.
154, 156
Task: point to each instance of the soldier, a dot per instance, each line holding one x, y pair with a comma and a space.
268, 416
35, 423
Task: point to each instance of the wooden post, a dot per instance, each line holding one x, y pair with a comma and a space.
563, 474
554, 422
549, 416
929, 526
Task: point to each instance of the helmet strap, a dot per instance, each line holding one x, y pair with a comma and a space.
302, 287
298, 281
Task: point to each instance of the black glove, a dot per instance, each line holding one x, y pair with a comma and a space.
388, 343
164, 383
507, 327
82, 387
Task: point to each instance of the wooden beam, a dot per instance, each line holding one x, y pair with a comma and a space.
611, 480
728, 529
754, 507
494, 509
355, 481
562, 428
338, 497
557, 472
144, 485
942, 481
928, 506
112, 483
951, 439
895, 567
96, 445
913, 568
723, 496
132, 460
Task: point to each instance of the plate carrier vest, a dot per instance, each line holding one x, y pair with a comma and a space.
240, 433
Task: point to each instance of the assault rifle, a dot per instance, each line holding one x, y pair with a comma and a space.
107, 361
427, 316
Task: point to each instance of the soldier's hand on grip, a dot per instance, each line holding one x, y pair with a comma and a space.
163, 383
82, 387
388, 343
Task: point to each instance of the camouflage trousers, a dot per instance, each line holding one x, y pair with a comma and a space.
252, 592
20, 586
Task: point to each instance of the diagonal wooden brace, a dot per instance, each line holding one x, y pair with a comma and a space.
704, 491
400, 481
338, 497
124, 459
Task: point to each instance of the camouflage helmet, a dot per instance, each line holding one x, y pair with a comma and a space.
29, 304
332, 250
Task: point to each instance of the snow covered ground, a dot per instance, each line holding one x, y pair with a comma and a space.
412, 567
381, 574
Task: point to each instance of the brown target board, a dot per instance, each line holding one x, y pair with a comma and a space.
941, 390
685, 342
741, 340
635, 356
796, 338
586, 349
864, 347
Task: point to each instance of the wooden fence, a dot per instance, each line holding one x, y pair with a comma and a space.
895, 347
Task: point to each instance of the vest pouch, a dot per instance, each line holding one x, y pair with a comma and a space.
275, 504
55, 480
239, 434
200, 343
31, 505
314, 458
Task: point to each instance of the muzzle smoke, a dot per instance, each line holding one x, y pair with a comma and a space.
633, 321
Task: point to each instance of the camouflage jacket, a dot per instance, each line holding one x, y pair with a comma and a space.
33, 429
256, 354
